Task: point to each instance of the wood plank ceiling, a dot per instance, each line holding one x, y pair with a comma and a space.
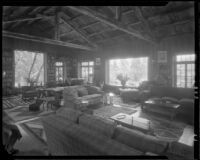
91, 27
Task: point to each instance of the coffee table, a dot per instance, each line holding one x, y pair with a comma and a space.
132, 122
161, 107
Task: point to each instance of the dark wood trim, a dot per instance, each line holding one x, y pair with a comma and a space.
44, 40
111, 22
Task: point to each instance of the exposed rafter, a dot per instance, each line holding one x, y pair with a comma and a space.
18, 12
36, 10
26, 19
44, 40
56, 20
103, 31
118, 12
111, 22
63, 17
139, 14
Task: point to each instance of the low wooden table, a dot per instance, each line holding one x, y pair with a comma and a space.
162, 107
132, 122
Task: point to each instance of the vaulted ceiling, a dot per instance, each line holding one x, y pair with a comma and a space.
98, 26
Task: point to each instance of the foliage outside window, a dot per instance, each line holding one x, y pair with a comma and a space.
185, 71
136, 69
59, 72
29, 68
87, 71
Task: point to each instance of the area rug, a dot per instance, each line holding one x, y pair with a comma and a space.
36, 128
21, 113
109, 111
163, 127
118, 101
14, 101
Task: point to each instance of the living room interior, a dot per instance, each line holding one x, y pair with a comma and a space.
100, 80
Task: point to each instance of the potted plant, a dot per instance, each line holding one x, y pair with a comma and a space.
31, 81
123, 79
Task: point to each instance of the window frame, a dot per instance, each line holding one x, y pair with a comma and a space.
185, 63
58, 67
127, 85
87, 66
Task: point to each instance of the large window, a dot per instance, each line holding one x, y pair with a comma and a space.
29, 68
87, 71
59, 71
185, 71
136, 69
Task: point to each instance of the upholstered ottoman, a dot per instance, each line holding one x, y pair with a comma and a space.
128, 95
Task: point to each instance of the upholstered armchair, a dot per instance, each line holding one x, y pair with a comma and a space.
76, 96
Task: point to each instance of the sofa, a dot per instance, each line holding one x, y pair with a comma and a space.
72, 132
74, 95
182, 96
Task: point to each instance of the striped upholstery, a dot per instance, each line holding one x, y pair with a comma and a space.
65, 138
139, 140
72, 100
102, 126
69, 113
54, 127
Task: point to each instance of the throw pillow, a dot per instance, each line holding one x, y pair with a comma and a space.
82, 92
171, 99
93, 89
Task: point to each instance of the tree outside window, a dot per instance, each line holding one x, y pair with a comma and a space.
29, 68
136, 70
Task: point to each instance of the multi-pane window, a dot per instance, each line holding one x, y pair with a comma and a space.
59, 71
136, 69
87, 71
29, 68
185, 70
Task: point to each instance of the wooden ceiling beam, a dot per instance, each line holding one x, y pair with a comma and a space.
118, 13
111, 22
103, 31
36, 10
26, 19
174, 24
63, 17
57, 28
44, 40
139, 14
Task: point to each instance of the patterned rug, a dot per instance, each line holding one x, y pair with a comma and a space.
15, 101
163, 128
109, 111
36, 128
22, 113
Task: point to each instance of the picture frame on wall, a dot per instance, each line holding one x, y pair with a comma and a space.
162, 56
98, 61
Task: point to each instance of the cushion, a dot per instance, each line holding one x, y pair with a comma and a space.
171, 99
69, 114
187, 101
70, 91
181, 149
139, 140
156, 99
82, 92
89, 142
93, 89
103, 126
